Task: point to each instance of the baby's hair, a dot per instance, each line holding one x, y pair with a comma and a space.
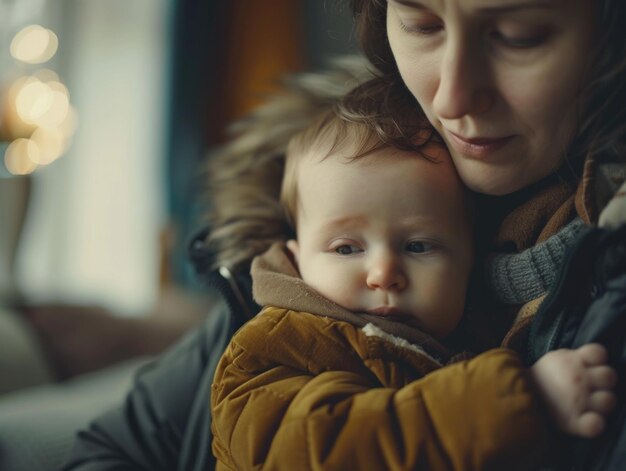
328, 133
331, 133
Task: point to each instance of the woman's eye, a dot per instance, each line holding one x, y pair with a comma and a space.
418, 247
519, 42
423, 29
347, 249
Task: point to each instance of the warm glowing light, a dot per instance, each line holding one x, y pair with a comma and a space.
15, 126
58, 87
43, 104
17, 85
47, 75
34, 45
21, 156
51, 145
40, 119
68, 127
33, 100
57, 111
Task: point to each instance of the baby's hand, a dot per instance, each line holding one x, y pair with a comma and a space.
577, 388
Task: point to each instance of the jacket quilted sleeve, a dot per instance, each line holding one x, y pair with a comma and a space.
298, 391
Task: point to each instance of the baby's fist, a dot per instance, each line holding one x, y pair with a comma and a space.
577, 388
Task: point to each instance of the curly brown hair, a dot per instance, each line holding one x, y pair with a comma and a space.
384, 103
602, 127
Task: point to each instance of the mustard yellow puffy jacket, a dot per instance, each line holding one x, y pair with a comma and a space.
298, 391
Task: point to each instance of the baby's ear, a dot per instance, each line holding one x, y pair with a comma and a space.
294, 248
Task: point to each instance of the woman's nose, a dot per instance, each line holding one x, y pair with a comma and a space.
463, 88
386, 273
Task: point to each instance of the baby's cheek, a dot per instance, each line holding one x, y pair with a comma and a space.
343, 292
446, 302
335, 285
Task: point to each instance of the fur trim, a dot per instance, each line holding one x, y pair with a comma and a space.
244, 177
370, 330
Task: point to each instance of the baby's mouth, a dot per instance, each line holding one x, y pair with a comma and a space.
389, 312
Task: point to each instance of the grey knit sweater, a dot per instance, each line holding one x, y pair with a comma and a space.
517, 278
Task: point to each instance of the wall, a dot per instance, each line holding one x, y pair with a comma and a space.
92, 234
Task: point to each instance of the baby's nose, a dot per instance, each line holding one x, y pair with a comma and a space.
386, 273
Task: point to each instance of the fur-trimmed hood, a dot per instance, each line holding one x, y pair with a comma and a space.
244, 176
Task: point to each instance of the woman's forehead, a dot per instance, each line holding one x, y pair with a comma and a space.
489, 6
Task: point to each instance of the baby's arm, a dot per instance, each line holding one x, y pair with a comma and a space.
577, 388
293, 389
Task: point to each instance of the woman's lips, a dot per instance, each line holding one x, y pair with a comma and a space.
479, 148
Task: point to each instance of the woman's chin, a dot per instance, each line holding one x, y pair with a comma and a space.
493, 183
504, 176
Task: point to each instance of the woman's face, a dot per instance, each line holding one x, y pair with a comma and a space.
498, 79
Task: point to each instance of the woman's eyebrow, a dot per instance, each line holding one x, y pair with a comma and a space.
410, 4
532, 4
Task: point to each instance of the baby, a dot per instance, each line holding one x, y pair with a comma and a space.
351, 364
388, 233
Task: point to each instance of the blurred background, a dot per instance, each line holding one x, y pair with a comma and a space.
108, 107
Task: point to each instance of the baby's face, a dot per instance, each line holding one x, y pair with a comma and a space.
387, 234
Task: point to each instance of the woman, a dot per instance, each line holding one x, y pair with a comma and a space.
528, 96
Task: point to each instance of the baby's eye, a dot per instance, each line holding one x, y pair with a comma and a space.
347, 249
418, 247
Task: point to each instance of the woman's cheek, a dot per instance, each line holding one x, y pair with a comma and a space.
418, 67
534, 99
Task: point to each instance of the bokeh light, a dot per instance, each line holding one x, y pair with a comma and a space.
68, 127
34, 45
46, 75
51, 144
36, 113
33, 100
59, 104
20, 157
44, 104
13, 124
